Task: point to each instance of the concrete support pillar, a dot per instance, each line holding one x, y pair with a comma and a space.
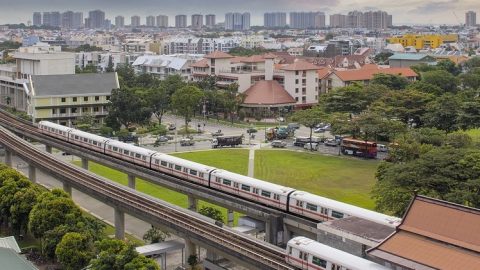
287, 234
8, 157
32, 173
190, 249
67, 188
192, 203
271, 230
85, 163
131, 181
48, 148
119, 224
230, 217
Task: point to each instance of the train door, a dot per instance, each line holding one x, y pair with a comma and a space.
336, 267
300, 206
236, 188
303, 256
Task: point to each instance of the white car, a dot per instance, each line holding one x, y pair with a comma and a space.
310, 146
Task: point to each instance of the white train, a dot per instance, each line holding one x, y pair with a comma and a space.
306, 254
280, 197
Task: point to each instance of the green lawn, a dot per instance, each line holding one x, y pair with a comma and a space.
345, 179
224, 158
475, 134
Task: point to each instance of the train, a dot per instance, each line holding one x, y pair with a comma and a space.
306, 254
283, 198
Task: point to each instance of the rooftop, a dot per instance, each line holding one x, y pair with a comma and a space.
12, 261
300, 66
267, 93
408, 56
218, 55
368, 72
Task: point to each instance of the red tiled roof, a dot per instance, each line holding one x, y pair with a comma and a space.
365, 74
300, 65
267, 93
323, 72
218, 55
201, 64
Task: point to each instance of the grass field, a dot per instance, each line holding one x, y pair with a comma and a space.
344, 179
475, 134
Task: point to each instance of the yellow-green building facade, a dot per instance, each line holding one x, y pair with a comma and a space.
423, 41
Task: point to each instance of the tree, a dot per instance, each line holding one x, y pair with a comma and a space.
185, 100
141, 263
74, 251
172, 83
424, 87
233, 100
310, 118
443, 113
471, 79
350, 99
441, 78
469, 114
127, 108
472, 63
394, 82
126, 75
110, 66
445, 173
155, 235
212, 213
382, 57
158, 100
449, 66
85, 122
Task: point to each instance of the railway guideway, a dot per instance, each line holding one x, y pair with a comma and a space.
237, 247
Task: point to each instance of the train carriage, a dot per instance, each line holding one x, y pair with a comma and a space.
306, 254
323, 209
128, 152
87, 140
251, 188
54, 130
185, 169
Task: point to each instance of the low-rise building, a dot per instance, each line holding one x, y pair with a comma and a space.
64, 98
423, 41
161, 66
399, 60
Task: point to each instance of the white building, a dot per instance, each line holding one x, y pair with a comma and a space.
161, 66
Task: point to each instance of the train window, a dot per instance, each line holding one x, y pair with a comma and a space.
218, 179
185, 170
99, 145
324, 211
164, 163
246, 188
170, 166
178, 168
300, 255
115, 149
311, 207
235, 185
227, 182
300, 204
137, 155
319, 262
94, 143
290, 250
85, 139
276, 197
336, 267
193, 172
305, 256
126, 152
156, 161
266, 194
144, 158
336, 214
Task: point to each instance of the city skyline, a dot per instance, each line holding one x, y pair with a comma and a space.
406, 12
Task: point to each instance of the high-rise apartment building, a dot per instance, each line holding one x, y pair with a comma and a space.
275, 19
306, 20
150, 21
370, 19
96, 19
210, 20
197, 21
237, 21
67, 19
181, 21
135, 21
52, 18
470, 18
37, 18
77, 20
162, 21
338, 21
119, 21
355, 19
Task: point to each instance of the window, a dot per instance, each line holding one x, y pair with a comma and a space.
296, 81
86, 140
144, 158
193, 172
107, 97
54, 111
296, 72
73, 110
304, 81
300, 204
126, 152
296, 99
74, 99
300, 255
94, 143
97, 98
319, 262
235, 185
64, 99
164, 163
76, 137
336, 214
201, 175
115, 149
246, 188
63, 110
95, 109
156, 162
266, 194
276, 197
227, 182
84, 109
290, 250
218, 180
296, 90
324, 211
255, 190
311, 207
138, 155
85, 98
178, 168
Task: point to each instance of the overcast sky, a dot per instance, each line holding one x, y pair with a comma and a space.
403, 11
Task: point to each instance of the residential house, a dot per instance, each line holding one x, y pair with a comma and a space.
401, 60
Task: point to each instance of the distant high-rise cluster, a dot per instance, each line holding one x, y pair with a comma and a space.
162, 21
306, 20
275, 19
135, 21
357, 19
181, 21
210, 20
197, 21
95, 20
237, 21
67, 19
119, 21
470, 18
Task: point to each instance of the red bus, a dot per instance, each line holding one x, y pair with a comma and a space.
359, 148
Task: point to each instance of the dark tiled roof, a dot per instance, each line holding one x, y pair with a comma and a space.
58, 85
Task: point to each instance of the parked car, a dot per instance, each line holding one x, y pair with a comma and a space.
311, 146
171, 127
187, 142
319, 130
331, 142
170, 137
280, 119
293, 126
382, 148
252, 130
217, 133
278, 144
162, 139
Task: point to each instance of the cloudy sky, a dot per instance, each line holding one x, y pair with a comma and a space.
404, 11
